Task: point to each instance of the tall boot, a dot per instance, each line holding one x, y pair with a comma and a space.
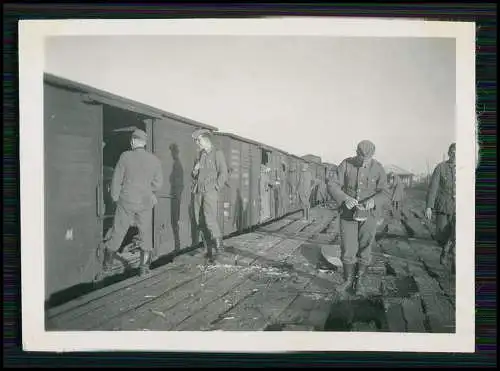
210, 253
107, 262
348, 278
359, 288
144, 268
445, 253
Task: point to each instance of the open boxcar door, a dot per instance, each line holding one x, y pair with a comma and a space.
73, 179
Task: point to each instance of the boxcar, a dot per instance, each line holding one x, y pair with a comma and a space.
85, 131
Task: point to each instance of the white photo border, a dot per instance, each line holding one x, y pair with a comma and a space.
32, 35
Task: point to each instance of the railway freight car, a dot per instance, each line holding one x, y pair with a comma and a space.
87, 129
260, 186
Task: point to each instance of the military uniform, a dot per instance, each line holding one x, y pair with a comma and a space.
304, 189
362, 183
441, 198
208, 180
137, 175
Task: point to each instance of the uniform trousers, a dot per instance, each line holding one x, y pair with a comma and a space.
206, 203
445, 228
125, 216
357, 240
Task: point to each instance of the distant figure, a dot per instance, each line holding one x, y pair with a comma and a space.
304, 188
322, 193
265, 193
210, 174
359, 187
441, 199
136, 177
398, 191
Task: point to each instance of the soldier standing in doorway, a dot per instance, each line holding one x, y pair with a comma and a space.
210, 175
136, 178
441, 199
359, 187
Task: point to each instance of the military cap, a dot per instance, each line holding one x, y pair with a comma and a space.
366, 148
139, 134
452, 146
200, 132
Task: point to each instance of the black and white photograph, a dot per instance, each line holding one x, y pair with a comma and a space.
204, 185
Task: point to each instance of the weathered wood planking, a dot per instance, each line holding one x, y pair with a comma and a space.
130, 299
98, 294
86, 314
276, 226
216, 313
164, 313
179, 305
125, 297
251, 314
414, 315
438, 308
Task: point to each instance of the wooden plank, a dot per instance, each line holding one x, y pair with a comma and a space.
165, 312
377, 267
275, 227
416, 226
100, 293
308, 309
394, 317
294, 228
247, 253
372, 284
216, 311
438, 309
104, 310
264, 307
413, 314
261, 309
279, 253
109, 305
180, 305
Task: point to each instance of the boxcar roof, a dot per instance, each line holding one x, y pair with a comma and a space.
251, 141
125, 102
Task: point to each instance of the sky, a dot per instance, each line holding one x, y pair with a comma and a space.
303, 94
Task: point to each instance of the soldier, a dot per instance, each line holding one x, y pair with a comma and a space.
304, 189
136, 177
210, 175
398, 192
358, 187
441, 198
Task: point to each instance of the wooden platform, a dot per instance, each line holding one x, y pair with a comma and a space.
275, 279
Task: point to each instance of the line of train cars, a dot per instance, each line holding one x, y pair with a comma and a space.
86, 130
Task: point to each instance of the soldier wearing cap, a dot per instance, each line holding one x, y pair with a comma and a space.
359, 186
210, 175
441, 199
136, 177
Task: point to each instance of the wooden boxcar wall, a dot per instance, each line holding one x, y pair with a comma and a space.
174, 225
238, 201
73, 175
